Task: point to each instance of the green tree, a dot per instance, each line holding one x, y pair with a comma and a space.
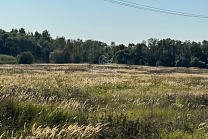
57, 56
25, 58
22, 31
159, 63
45, 55
60, 43
46, 35
152, 51
183, 62
122, 56
37, 36
204, 48
196, 50
86, 49
139, 56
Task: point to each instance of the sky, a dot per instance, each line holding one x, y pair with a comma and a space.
105, 21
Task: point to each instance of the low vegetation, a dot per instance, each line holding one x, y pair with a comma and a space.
6, 59
93, 101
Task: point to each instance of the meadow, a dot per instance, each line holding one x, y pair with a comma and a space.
84, 101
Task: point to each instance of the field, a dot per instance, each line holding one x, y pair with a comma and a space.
95, 101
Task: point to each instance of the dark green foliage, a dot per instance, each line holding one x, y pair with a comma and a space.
57, 56
6, 59
45, 55
122, 56
195, 62
182, 63
21, 31
46, 36
167, 52
78, 59
25, 58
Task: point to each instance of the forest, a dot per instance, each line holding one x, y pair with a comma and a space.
19, 46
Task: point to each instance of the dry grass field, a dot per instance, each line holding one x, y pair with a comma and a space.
102, 101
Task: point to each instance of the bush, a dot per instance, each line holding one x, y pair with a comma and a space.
6, 59
25, 58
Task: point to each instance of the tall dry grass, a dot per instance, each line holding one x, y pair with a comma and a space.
113, 102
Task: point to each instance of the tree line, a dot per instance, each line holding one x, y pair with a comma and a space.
29, 47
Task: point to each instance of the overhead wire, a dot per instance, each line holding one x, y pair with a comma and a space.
153, 9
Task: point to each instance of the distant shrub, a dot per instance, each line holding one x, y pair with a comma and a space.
25, 58
6, 59
159, 63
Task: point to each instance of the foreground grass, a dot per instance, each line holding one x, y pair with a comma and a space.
89, 101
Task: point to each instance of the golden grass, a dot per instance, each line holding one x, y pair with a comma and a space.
132, 90
72, 132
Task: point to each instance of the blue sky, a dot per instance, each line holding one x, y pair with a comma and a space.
104, 21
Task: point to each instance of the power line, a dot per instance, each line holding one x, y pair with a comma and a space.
159, 9
153, 9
